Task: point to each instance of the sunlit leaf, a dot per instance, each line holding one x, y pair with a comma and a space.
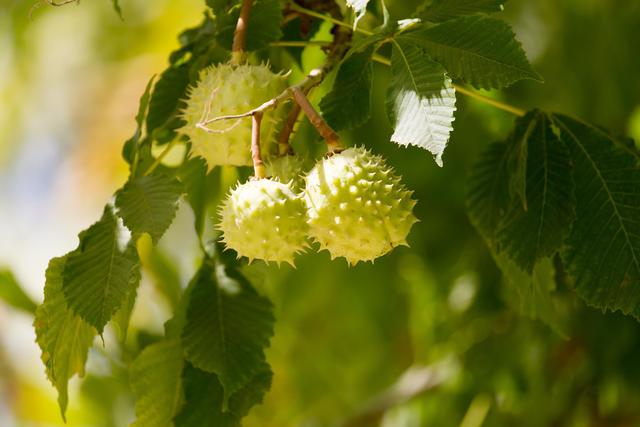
148, 204
63, 337
156, 381
420, 100
98, 275
482, 51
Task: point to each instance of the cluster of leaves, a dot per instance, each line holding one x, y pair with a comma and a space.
210, 365
559, 187
556, 190
447, 39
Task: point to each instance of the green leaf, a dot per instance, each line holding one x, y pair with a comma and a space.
122, 317
98, 275
421, 100
482, 51
444, 10
228, 326
148, 204
205, 401
201, 188
349, 103
265, 25
12, 293
220, 6
488, 192
603, 249
63, 337
130, 149
538, 229
360, 7
156, 382
161, 270
167, 99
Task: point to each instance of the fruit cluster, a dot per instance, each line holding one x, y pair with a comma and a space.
350, 203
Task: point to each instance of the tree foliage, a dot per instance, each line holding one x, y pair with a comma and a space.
556, 196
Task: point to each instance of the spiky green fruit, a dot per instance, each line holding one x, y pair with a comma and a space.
357, 207
225, 90
288, 168
264, 219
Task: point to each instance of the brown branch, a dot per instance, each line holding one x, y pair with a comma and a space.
240, 34
284, 147
323, 128
258, 166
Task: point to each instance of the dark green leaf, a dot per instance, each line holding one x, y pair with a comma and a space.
63, 337
538, 229
444, 10
264, 22
228, 326
148, 204
205, 402
156, 381
349, 103
480, 50
421, 100
12, 294
98, 275
167, 99
201, 188
603, 249
488, 193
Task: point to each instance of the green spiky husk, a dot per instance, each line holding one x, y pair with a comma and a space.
264, 219
288, 168
357, 207
224, 90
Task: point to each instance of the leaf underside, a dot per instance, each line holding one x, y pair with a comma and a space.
420, 100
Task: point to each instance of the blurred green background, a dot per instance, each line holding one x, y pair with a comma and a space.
70, 79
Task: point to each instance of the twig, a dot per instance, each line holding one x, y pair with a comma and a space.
300, 43
161, 157
313, 79
258, 166
468, 92
240, 34
284, 147
494, 102
297, 8
323, 128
